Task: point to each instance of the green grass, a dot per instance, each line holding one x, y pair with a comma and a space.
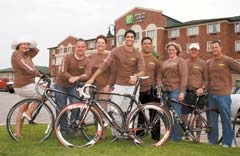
51, 147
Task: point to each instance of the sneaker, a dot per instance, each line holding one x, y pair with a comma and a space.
226, 146
25, 115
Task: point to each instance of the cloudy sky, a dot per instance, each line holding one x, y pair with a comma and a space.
51, 21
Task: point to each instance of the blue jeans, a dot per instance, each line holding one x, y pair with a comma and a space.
223, 104
62, 101
177, 130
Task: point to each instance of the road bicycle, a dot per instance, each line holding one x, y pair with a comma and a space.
236, 128
40, 126
89, 127
190, 129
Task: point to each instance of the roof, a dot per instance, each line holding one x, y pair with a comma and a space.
194, 22
43, 69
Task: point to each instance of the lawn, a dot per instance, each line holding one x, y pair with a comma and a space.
51, 147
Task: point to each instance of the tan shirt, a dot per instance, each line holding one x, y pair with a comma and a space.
152, 66
174, 74
96, 60
71, 66
127, 63
220, 78
197, 74
23, 67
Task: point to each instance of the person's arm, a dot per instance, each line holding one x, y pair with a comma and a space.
95, 75
183, 75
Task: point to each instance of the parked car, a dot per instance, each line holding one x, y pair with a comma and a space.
9, 86
3, 84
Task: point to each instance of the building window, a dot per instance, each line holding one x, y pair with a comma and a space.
174, 33
192, 31
237, 46
120, 38
53, 51
112, 42
151, 33
137, 36
61, 51
209, 46
53, 61
69, 49
213, 28
237, 27
91, 45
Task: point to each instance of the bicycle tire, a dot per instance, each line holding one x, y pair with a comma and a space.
38, 129
83, 131
236, 129
162, 121
199, 127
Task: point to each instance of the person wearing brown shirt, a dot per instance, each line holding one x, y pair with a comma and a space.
197, 82
75, 67
103, 81
129, 65
220, 68
24, 78
174, 76
152, 66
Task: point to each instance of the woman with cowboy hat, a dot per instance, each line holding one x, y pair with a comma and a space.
24, 77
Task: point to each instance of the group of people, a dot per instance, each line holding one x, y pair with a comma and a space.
117, 71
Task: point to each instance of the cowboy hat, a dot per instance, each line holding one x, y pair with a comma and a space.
15, 43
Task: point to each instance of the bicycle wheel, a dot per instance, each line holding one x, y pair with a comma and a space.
78, 126
155, 126
236, 129
37, 129
199, 126
116, 113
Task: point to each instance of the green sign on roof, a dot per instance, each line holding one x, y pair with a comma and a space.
130, 19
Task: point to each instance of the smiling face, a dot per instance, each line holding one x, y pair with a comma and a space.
101, 44
147, 46
216, 49
129, 39
23, 47
80, 48
172, 51
193, 53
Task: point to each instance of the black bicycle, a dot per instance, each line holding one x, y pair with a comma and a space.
89, 127
40, 126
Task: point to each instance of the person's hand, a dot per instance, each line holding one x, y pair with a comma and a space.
181, 96
90, 81
133, 80
73, 79
107, 89
199, 91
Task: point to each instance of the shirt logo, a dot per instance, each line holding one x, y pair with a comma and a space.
151, 63
132, 59
221, 64
196, 67
81, 67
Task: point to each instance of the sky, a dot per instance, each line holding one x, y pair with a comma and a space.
50, 21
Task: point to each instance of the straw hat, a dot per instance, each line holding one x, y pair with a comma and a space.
15, 43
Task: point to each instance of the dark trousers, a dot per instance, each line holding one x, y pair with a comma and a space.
146, 97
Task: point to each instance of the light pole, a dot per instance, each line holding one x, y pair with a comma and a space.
112, 33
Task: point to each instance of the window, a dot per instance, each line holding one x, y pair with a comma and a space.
209, 46
137, 36
69, 49
151, 33
174, 33
53, 51
112, 42
91, 45
53, 61
237, 27
237, 46
61, 50
120, 38
192, 31
213, 28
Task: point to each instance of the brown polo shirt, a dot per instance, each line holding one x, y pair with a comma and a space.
71, 66
197, 74
220, 75
127, 63
174, 74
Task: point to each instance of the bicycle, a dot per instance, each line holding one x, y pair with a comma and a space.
40, 126
236, 128
90, 126
190, 128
